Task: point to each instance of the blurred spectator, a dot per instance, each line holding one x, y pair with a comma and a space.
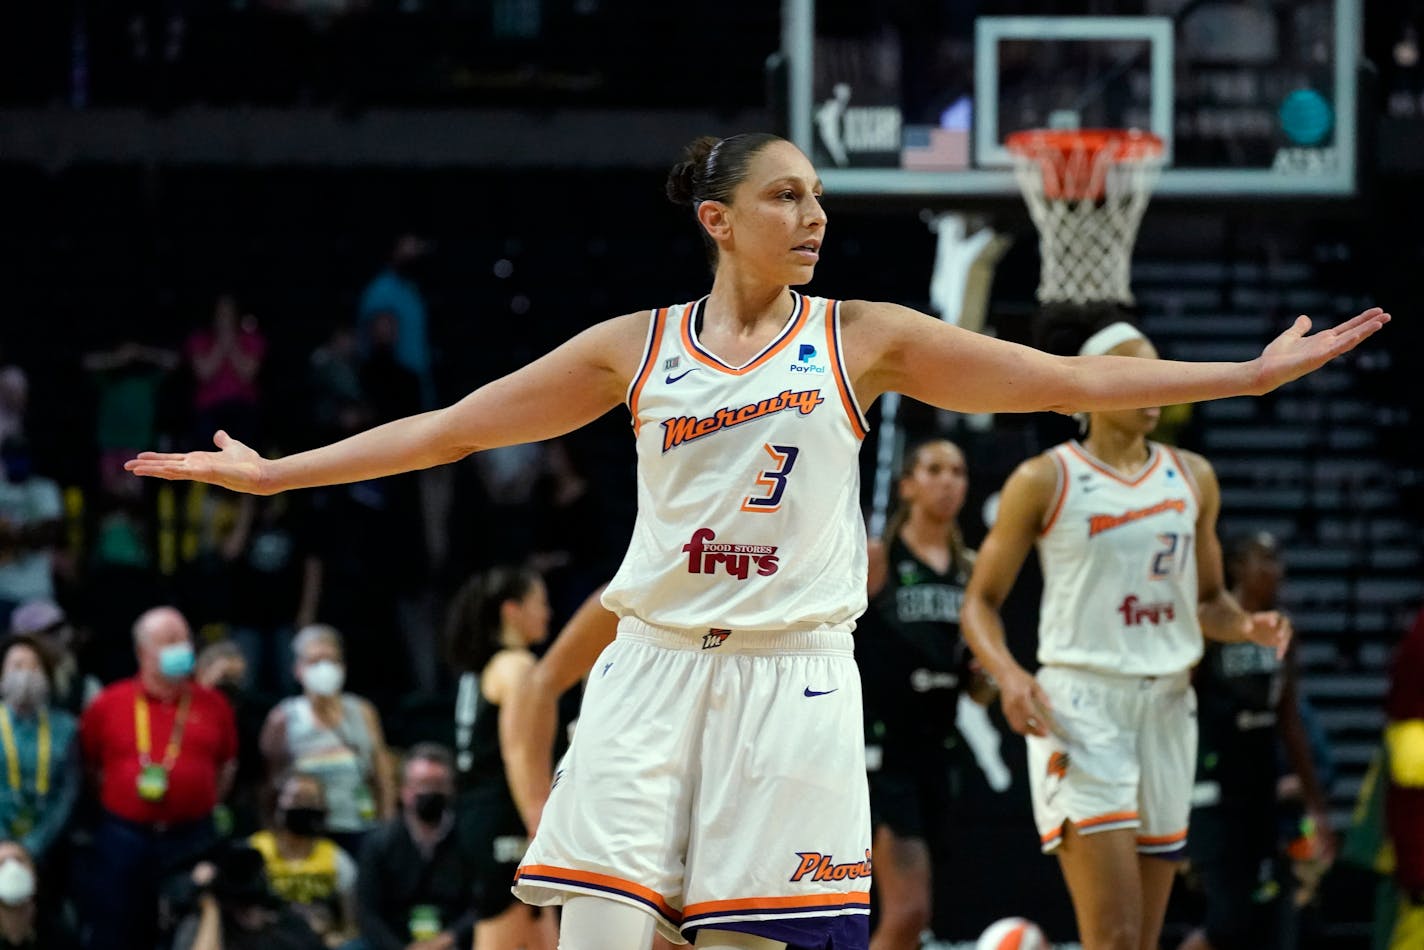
391, 389
226, 358
568, 534
394, 291
494, 622
307, 870
414, 884
14, 400
238, 911
39, 752
31, 510
276, 585
73, 688
126, 380
333, 735
1404, 797
221, 666
337, 402
161, 750
24, 924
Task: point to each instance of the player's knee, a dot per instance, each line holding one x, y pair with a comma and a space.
1114, 931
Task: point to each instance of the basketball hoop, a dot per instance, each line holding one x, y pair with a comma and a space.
1086, 190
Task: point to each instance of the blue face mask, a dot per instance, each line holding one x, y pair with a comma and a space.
176, 661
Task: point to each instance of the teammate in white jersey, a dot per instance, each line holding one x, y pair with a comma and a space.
716, 789
1132, 578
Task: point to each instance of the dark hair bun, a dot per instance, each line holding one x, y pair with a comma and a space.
679, 183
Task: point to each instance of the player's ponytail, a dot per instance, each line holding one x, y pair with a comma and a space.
474, 622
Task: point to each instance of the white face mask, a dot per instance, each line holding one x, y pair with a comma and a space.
17, 882
324, 678
27, 688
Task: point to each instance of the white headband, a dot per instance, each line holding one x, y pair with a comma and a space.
1109, 338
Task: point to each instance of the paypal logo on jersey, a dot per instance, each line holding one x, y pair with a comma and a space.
803, 362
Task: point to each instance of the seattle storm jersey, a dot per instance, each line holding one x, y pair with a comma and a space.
748, 481
1119, 567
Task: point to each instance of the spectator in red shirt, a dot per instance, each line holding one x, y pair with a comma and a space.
161, 750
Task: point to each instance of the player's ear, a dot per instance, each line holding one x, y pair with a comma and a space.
715, 219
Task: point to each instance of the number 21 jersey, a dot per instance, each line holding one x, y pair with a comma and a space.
1119, 566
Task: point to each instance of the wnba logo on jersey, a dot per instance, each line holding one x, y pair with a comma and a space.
703, 556
822, 867
1135, 613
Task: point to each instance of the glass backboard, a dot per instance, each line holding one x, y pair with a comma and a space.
1251, 97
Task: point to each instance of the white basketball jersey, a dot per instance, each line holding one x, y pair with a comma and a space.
748, 481
1119, 567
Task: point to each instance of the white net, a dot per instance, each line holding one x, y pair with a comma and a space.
1087, 200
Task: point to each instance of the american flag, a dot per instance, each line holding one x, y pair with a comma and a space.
931, 149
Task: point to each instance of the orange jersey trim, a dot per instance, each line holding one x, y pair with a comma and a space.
754, 904
544, 874
649, 359
1062, 495
1100, 467
797, 322
1176, 838
1094, 822
833, 346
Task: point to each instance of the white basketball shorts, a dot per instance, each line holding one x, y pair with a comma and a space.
1123, 756
716, 779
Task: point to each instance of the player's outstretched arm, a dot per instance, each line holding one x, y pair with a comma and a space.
557, 393
529, 718
1023, 507
893, 348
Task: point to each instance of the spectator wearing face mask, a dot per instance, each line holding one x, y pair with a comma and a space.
335, 736
73, 687
40, 757
161, 750
415, 884
307, 870
23, 924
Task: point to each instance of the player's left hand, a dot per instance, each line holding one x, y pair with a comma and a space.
1269, 628
1294, 353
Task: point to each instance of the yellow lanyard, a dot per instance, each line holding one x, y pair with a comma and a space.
175, 736
12, 752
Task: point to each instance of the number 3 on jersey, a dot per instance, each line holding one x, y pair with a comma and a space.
773, 480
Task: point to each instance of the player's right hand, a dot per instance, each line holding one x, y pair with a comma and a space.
1025, 704
234, 466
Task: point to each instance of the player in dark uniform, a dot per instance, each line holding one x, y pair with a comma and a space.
913, 666
1246, 706
493, 622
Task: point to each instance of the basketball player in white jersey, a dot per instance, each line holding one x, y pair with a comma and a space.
1132, 579
716, 788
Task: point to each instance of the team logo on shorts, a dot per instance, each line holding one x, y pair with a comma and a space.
823, 867
715, 638
1058, 765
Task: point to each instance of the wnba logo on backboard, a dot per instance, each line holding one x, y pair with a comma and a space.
845, 129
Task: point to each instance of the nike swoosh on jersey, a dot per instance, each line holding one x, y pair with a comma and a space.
672, 379
818, 692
